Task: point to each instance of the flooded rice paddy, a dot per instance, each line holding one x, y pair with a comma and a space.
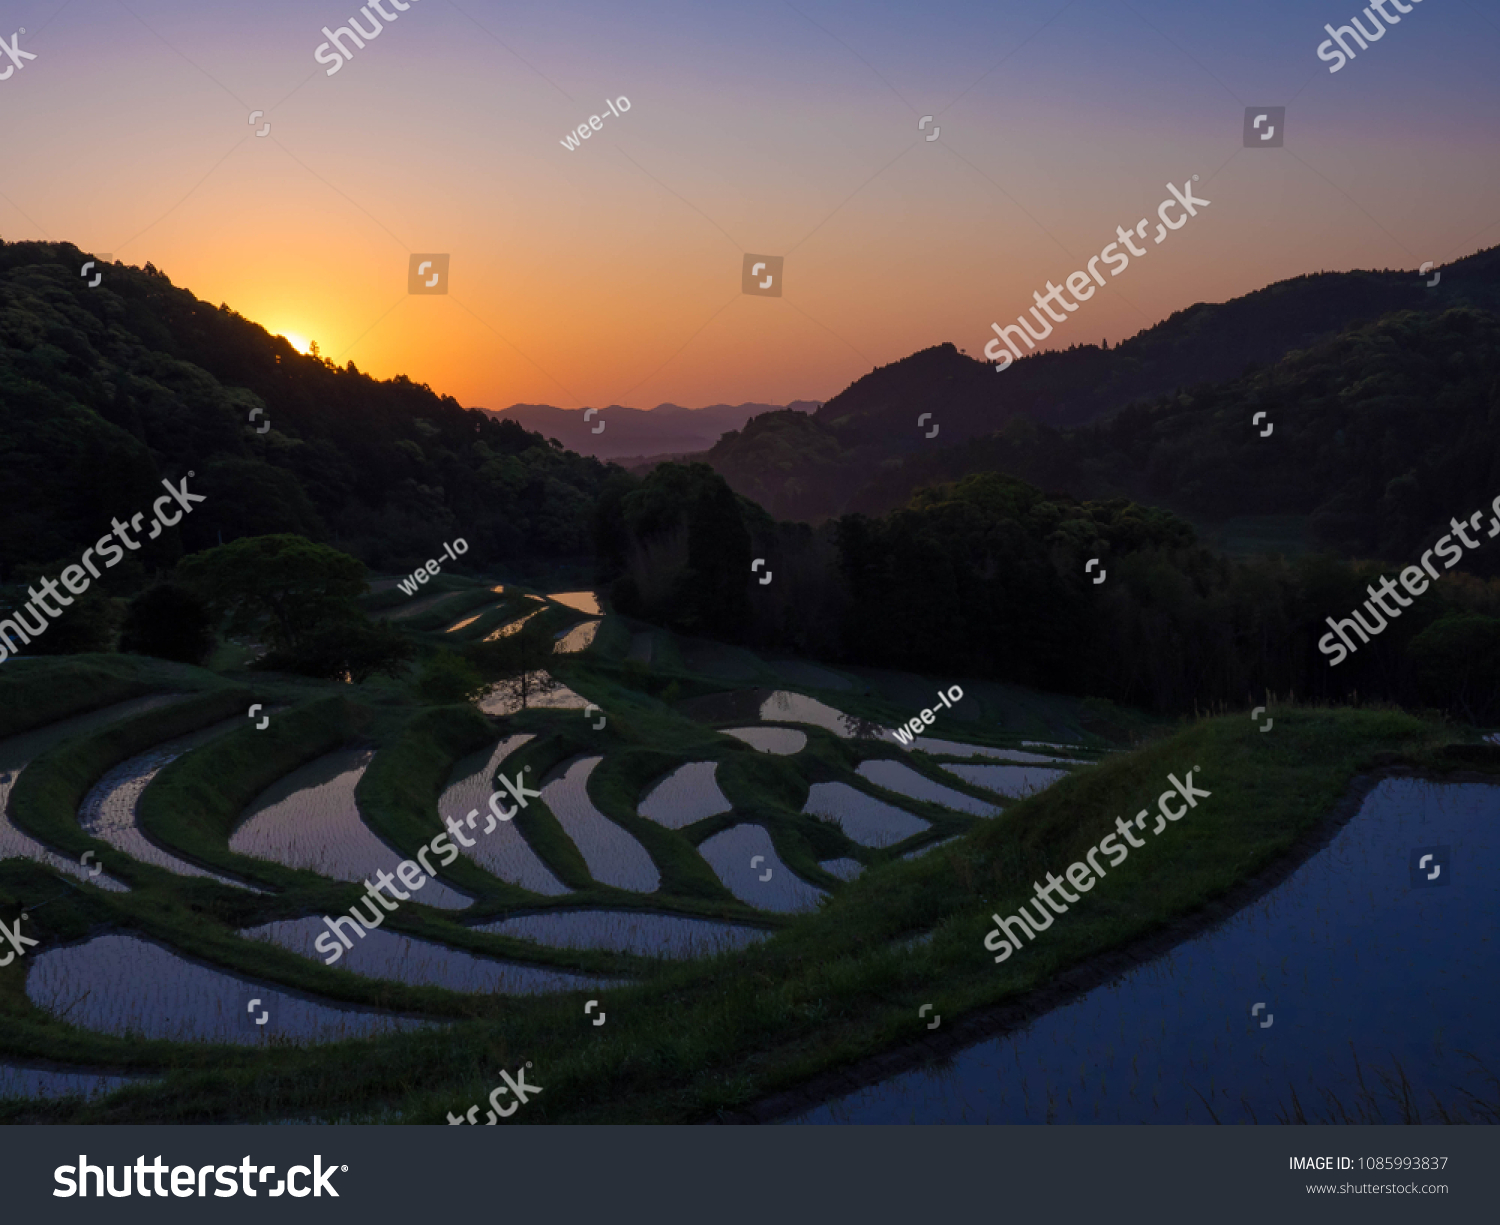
782, 741
1353, 950
465, 622
686, 795
109, 811
844, 869
17, 752
931, 846
579, 638
870, 822
954, 748
784, 706
310, 820
511, 627
502, 852
767, 885
629, 931
1014, 782
547, 694
613, 856
29, 1083
903, 780
421, 963
580, 601
126, 986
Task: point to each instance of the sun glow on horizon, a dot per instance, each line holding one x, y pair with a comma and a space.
298, 341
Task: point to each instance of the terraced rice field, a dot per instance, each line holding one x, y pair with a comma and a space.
19, 1081
512, 627
870, 822
780, 741
784, 706
130, 987
746, 861
109, 811
392, 955
579, 638
502, 852
1014, 782
17, 752
326, 819
465, 622
628, 931
894, 776
953, 748
686, 795
844, 869
581, 601
310, 820
547, 694
613, 856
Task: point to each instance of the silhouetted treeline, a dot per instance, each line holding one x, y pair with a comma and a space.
105, 391
989, 577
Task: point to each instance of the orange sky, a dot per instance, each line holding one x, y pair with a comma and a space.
611, 273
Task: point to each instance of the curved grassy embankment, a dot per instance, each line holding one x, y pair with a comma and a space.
70, 688
710, 1036
47, 796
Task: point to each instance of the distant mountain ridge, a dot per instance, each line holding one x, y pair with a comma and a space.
813, 467
640, 433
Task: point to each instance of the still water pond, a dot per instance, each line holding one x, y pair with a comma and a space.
1347, 950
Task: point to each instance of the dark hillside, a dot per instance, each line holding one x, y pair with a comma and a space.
815, 469
105, 391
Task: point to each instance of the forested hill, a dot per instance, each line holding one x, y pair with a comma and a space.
810, 468
1377, 439
105, 391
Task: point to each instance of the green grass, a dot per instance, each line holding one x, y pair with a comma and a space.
193, 805
688, 1040
38, 690
694, 1039
47, 796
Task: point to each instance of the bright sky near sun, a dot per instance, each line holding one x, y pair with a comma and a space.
611, 272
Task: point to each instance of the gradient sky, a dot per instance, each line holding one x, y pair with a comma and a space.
611, 273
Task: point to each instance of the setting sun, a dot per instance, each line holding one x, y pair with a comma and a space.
298, 341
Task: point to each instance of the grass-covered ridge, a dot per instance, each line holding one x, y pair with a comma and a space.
695, 1039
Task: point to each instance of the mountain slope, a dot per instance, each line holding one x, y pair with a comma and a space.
1378, 438
105, 391
812, 471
